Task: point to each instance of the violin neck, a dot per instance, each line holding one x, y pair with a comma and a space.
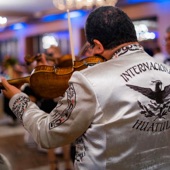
17, 82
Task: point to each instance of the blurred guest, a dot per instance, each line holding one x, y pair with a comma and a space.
53, 56
158, 55
53, 52
11, 70
49, 104
167, 46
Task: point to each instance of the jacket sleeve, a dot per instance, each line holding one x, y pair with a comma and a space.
70, 118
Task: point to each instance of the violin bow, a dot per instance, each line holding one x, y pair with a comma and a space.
71, 37
56, 2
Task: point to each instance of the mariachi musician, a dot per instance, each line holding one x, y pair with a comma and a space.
117, 111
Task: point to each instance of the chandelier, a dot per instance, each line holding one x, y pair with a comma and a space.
79, 4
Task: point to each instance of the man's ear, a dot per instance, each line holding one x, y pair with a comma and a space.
98, 48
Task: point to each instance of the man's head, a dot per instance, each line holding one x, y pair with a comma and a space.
54, 51
110, 26
167, 40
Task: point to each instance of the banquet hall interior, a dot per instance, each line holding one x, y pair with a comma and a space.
30, 27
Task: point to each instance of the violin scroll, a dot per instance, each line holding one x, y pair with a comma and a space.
30, 59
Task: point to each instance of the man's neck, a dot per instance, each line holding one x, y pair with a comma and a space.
110, 53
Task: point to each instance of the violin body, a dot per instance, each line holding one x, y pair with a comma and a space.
50, 82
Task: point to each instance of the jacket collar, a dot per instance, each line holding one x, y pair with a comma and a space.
128, 50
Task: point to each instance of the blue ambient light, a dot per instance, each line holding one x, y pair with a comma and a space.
140, 1
17, 26
62, 16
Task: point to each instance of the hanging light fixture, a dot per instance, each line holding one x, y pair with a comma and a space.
3, 22
79, 4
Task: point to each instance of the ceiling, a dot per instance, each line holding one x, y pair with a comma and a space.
26, 10
20, 10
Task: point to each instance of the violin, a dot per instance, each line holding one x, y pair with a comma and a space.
52, 81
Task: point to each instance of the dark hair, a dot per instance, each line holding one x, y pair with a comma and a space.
111, 26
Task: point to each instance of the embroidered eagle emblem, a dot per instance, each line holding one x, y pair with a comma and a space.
158, 94
159, 104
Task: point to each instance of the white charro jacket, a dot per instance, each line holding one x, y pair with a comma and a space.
117, 111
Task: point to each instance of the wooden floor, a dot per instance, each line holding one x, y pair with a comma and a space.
20, 155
